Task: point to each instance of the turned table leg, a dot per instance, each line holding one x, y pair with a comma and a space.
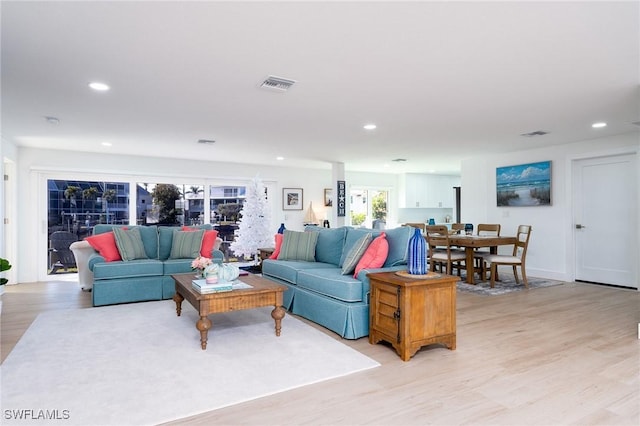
277, 314
203, 325
177, 297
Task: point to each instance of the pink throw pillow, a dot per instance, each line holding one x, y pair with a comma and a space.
208, 240
105, 244
276, 252
375, 255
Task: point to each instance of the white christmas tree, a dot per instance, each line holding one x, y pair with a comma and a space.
253, 229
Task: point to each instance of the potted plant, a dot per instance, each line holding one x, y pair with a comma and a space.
4, 266
71, 192
90, 193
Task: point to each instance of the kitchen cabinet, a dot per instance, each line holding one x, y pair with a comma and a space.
427, 191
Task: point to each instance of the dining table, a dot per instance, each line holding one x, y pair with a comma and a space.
471, 242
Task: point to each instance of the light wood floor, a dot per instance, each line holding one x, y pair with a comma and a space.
568, 354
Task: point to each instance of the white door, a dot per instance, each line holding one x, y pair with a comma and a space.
605, 200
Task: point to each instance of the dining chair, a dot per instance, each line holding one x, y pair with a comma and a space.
458, 227
420, 226
516, 259
487, 229
440, 251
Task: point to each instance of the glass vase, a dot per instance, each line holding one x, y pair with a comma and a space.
417, 262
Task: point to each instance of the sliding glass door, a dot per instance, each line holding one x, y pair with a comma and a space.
74, 207
368, 207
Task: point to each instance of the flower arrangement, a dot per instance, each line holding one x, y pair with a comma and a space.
200, 263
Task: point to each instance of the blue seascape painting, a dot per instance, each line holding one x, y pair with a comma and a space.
524, 184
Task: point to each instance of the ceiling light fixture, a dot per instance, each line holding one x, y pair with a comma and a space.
279, 158
599, 125
106, 144
370, 126
100, 87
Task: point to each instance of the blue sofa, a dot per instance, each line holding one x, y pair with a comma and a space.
140, 279
319, 292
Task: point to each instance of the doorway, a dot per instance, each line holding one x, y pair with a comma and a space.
605, 220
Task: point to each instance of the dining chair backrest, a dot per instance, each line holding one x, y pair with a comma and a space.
522, 241
420, 226
437, 236
457, 227
492, 229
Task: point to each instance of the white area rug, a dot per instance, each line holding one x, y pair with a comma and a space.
141, 364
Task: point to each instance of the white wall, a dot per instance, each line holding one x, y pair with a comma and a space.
551, 245
35, 166
550, 252
8, 207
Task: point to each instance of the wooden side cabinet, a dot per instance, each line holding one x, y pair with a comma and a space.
265, 253
412, 312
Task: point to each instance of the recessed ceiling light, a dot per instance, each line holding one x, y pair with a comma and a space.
100, 87
370, 126
599, 125
279, 158
106, 144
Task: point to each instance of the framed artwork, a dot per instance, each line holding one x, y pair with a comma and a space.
328, 197
292, 199
524, 185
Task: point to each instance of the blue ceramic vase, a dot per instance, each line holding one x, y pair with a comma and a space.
281, 229
417, 254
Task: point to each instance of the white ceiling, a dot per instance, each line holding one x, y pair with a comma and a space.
442, 80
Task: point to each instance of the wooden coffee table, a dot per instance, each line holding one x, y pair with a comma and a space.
262, 293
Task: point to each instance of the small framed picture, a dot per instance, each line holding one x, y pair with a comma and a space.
292, 199
328, 197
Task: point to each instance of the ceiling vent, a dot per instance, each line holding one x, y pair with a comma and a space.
206, 141
278, 84
399, 160
636, 123
536, 133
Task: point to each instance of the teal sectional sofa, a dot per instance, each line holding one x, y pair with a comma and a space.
140, 279
318, 290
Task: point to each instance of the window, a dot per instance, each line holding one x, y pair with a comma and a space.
77, 206
225, 203
169, 204
368, 207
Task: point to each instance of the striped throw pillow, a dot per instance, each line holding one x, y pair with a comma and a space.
298, 246
129, 243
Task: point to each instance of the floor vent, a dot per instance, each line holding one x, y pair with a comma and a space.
277, 83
